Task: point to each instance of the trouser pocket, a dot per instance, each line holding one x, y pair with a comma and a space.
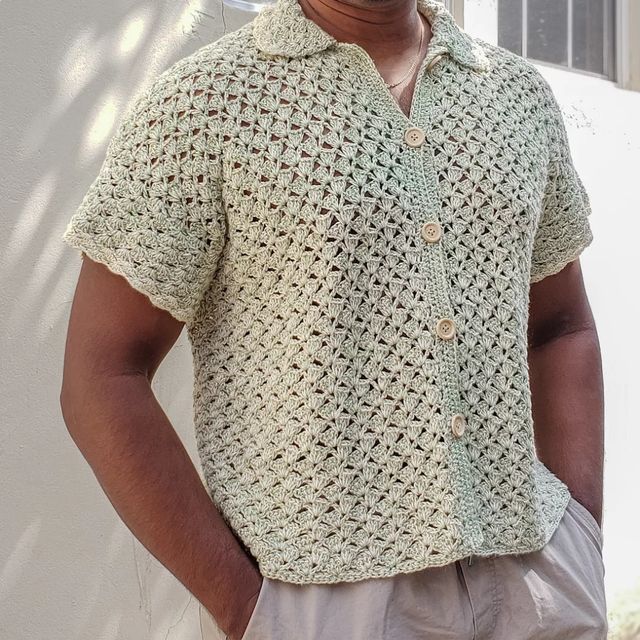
209, 629
558, 590
587, 519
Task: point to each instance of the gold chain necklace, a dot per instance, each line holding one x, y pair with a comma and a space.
395, 84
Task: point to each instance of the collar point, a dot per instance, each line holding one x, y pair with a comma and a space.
480, 61
483, 66
282, 29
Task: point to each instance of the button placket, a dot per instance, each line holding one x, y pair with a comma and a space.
442, 313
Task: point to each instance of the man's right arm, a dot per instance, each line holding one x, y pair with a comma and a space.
116, 340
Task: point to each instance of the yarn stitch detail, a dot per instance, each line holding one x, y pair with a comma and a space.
261, 191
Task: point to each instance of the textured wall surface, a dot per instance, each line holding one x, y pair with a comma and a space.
69, 567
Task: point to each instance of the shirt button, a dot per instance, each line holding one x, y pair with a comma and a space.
435, 59
457, 424
445, 328
431, 231
414, 136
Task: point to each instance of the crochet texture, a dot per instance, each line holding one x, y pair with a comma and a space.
262, 191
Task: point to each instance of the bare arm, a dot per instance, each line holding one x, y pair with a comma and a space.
116, 340
567, 385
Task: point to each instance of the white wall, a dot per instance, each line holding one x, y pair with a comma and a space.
69, 568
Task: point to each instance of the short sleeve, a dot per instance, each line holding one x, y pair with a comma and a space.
154, 214
563, 229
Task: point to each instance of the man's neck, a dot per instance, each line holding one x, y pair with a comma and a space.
386, 29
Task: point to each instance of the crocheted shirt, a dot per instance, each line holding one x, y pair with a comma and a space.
355, 286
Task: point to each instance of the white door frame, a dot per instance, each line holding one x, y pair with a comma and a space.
456, 8
628, 44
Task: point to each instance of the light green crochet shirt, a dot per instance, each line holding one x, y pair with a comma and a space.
355, 287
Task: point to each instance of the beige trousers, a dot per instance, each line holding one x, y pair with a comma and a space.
556, 593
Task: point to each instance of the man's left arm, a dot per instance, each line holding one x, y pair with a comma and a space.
567, 387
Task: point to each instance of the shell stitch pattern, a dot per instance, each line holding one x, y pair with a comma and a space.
263, 193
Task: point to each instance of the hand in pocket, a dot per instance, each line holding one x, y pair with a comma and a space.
244, 615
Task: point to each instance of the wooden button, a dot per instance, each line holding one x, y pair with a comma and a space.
414, 136
445, 328
431, 231
435, 59
458, 424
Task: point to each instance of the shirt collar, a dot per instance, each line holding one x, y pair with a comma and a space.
282, 28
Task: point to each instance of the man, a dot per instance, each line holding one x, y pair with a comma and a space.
370, 223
